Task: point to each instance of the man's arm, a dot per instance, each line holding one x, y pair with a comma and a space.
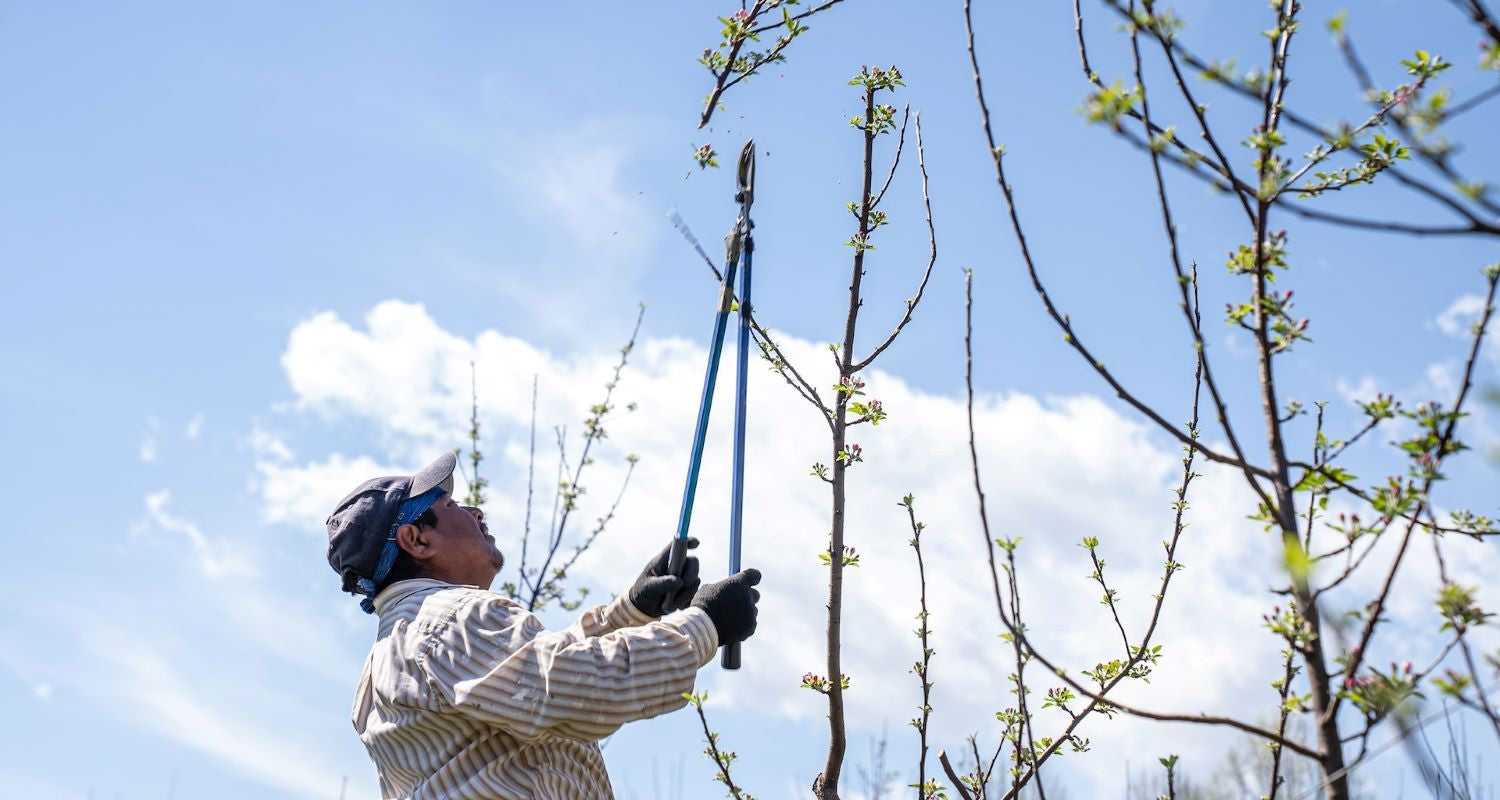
620, 613
500, 665
655, 593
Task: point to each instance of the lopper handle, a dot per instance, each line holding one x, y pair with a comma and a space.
730, 659
676, 559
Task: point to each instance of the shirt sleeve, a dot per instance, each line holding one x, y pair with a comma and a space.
620, 613
496, 663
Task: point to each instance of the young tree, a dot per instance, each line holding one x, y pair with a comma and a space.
1325, 678
1327, 684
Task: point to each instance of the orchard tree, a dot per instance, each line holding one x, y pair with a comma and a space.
1285, 170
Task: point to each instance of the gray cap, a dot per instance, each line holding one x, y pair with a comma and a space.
360, 524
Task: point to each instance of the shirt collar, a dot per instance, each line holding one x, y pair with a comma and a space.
400, 590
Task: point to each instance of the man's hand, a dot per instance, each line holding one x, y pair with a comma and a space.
658, 592
730, 603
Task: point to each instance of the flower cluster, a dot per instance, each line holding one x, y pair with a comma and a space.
1378, 693
706, 156
850, 558
851, 385
820, 684
849, 455
872, 412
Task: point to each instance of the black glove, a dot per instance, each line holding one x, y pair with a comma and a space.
730, 603
658, 592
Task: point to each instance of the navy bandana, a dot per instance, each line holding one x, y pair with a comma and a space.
411, 509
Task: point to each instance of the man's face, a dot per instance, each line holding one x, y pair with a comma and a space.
464, 552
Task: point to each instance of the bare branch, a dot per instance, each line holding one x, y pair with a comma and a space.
1481, 16
923, 667
896, 161
721, 759
1189, 307
1374, 609
958, 784
1435, 159
727, 78
911, 305
997, 154
1248, 91
561, 572
769, 349
797, 17
567, 493
1474, 102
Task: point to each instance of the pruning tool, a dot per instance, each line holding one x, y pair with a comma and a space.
738, 246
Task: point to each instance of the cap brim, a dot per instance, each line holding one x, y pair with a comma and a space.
438, 473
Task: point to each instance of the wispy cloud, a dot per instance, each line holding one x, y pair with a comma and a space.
150, 443
1459, 319
212, 557
177, 705
576, 180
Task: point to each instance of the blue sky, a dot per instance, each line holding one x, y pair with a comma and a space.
250, 251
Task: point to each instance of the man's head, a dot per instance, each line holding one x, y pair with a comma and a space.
400, 527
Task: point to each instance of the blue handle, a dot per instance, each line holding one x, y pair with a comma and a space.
706, 401
731, 655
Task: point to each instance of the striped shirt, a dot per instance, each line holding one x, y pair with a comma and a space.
465, 696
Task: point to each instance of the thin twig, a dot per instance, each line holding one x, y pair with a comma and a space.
1437, 160
804, 15
770, 351
721, 759
921, 668
569, 492
1062, 321
1183, 280
1374, 609
896, 160
911, 305
549, 588
958, 784
1283, 713
530, 485
1238, 86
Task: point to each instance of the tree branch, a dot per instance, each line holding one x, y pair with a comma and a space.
911, 305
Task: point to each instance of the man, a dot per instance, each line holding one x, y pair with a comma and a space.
464, 694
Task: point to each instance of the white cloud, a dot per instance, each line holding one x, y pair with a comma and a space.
194, 427
575, 180
267, 445
1056, 470
42, 691
150, 446
1459, 315
177, 705
304, 495
1361, 391
1442, 381
213, 558
1459, 318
